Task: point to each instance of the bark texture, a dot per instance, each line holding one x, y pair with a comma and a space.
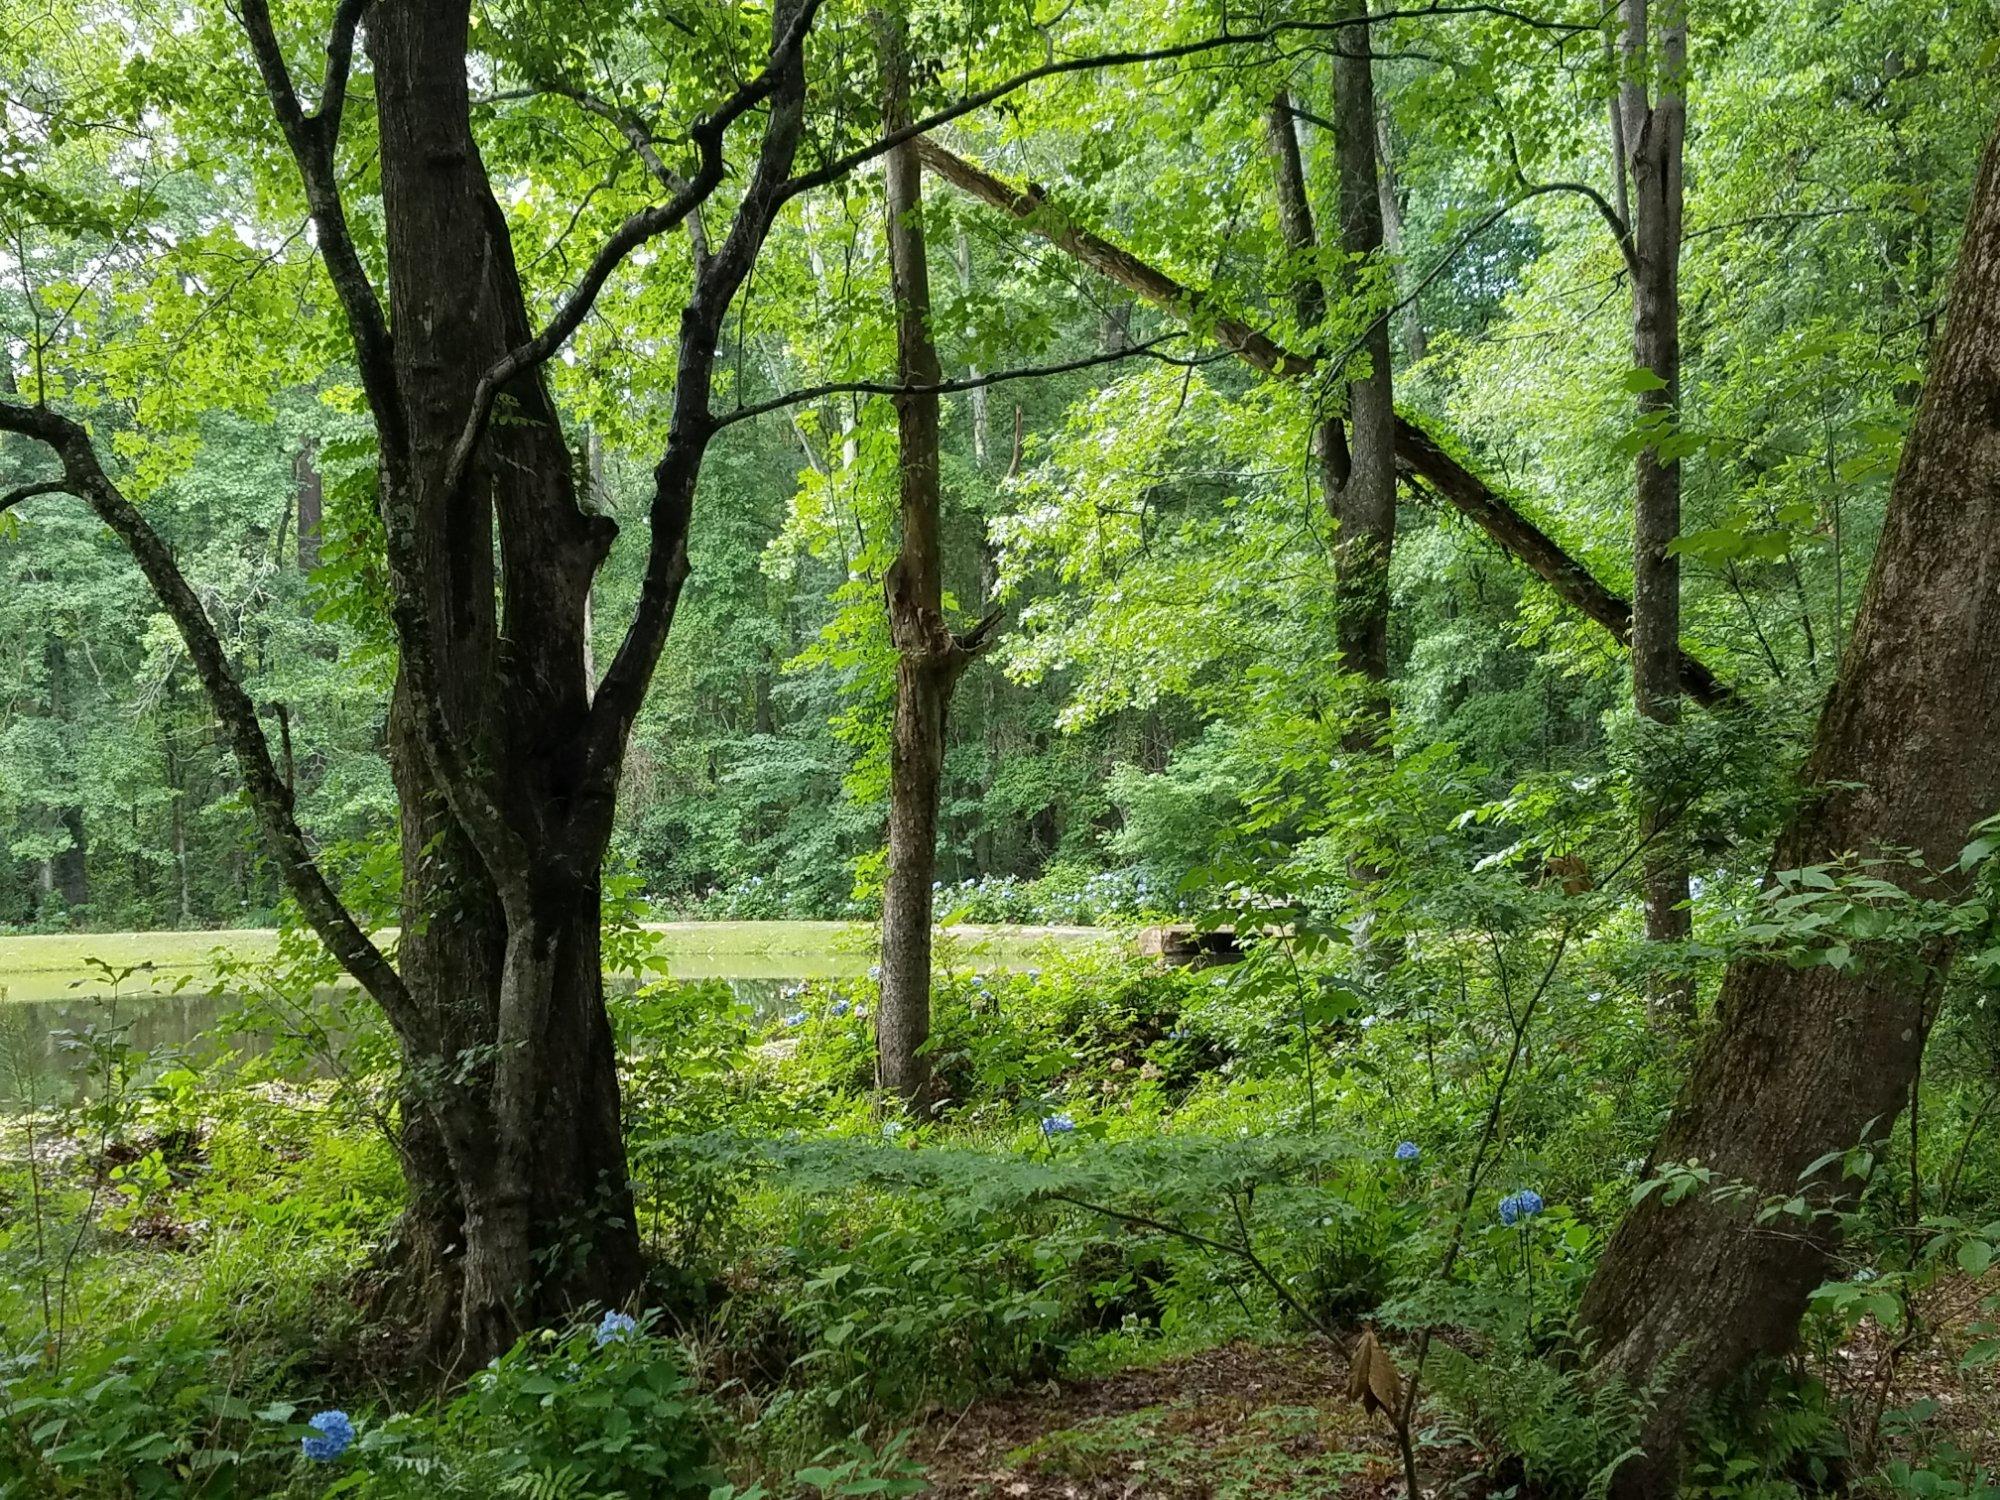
311, 502
1367, 500
1802, 1061
1653, 111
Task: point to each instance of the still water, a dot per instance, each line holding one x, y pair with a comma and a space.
40, 1057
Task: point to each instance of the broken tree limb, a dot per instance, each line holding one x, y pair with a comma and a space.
1472, 497
1417, 452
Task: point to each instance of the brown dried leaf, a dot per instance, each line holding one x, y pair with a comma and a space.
1371, 1377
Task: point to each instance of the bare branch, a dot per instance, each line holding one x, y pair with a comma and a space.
269, 796
312, 140
339, 64
623, 688
840, 166
28, 492
806, 394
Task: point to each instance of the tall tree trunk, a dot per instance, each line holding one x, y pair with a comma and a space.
310, 488
1803, 1061
1367, 500
1415, 342
519, 1077
929, 658
1652, 105
507, 768
67, 871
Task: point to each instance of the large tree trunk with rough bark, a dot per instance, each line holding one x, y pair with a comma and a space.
1653, 109
1804, 1061
531, 1130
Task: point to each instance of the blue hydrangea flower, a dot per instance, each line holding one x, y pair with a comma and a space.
615, 1325
842, 1007
1408, 1151
1518, 1208
1058, 1125
332, 1432
796, 1018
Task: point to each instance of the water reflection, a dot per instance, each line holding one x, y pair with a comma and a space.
40, 1059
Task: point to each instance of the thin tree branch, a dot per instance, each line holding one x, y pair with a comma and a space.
615, 707
28, 492
840, 166
786, 52
312, 139
807, 394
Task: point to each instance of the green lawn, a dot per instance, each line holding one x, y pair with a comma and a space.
51, 967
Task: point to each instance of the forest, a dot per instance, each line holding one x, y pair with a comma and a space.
1204, 749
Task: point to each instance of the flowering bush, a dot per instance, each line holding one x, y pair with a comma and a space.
332, 1431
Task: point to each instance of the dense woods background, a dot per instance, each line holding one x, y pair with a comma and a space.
1479, 518
1123, 712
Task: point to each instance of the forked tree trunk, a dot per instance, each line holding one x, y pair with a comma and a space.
506, 765
524, 1102
1804, 1061
1654, 114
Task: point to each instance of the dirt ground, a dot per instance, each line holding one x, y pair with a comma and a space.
1241, 1420
1272, 1422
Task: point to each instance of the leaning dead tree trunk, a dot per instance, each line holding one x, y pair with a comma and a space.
1652, 109
1804, 1061
1418, 453
930, 658
506, 767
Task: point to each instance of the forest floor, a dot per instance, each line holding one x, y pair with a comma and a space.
1240, 1420
55, 966
1248, 1421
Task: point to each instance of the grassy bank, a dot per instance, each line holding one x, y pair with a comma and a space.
52, 966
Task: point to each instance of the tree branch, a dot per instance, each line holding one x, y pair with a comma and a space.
787, 48
840, 166
269, 796
1416, 450
312, 139
807, 394
28, 492
615, 706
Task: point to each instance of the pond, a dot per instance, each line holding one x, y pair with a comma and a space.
54, 987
